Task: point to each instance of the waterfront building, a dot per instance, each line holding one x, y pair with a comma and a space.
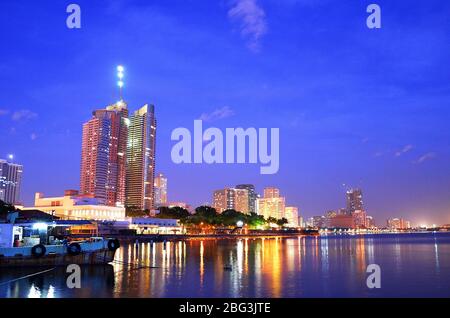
156, 226
272, 204
370, 222
354, 201
10, 181
318, 221
160, 190
140, 177
231, 198
103, 155
291, 214
359, 218
252, 196
74, 206
398, 224
340, 221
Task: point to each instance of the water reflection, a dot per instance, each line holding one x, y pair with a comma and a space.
327, 266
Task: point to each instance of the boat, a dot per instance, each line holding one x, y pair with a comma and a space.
41, 244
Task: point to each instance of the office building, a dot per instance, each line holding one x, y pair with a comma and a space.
231, 198
103, 155
10, 181
252, 196
354, 201
160, 190
140, 177
272, 204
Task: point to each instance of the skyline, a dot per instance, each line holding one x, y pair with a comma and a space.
355, 120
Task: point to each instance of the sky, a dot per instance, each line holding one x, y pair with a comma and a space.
356, 107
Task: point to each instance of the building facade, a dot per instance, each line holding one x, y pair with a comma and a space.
160, 190
103, 155
73, 206
354, 201
231, 198
291, 214
140, 177
272, 204
10, 181
252, 196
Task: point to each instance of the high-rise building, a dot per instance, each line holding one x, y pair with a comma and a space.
231, 198
10, 181
252, 196
103, 155
360, 218
272, 204
354, 201
160, 190
398, 224
140, 178
291, 214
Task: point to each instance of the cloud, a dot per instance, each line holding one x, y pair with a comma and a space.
23, 115
404, 150
217, 114
33, 136
425, 157
3, 112
251, 19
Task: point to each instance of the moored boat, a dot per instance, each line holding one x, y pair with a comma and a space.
38, 244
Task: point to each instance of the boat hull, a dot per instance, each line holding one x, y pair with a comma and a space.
97, 257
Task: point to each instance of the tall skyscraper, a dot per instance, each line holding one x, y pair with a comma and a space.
10, 181
291, 214
354, 201
272, 204
160, 190
252, 196
141, 159
103, 155
231, 198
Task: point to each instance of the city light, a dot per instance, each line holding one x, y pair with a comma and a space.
10, 156
239, 224
120, 69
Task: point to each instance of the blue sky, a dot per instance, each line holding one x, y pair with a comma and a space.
360, 107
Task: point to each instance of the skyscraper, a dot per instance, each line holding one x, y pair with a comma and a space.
103, 155
354, 201
252, 196
141, 159
272, 204
10, 181
231, 198
291, 214
160, 190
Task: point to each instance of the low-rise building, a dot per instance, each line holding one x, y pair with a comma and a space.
76, 207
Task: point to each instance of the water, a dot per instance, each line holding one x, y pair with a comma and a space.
412, 265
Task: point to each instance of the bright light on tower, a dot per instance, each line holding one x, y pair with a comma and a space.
10, 156
120, 69
120, 83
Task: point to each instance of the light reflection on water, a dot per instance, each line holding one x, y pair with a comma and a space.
334, 266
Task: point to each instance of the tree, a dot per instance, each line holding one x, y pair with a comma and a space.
282, 222
5, 208
173, 213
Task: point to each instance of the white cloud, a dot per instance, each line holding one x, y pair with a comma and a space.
425, 157
23, 114
217, 114
252, 20
404, 150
